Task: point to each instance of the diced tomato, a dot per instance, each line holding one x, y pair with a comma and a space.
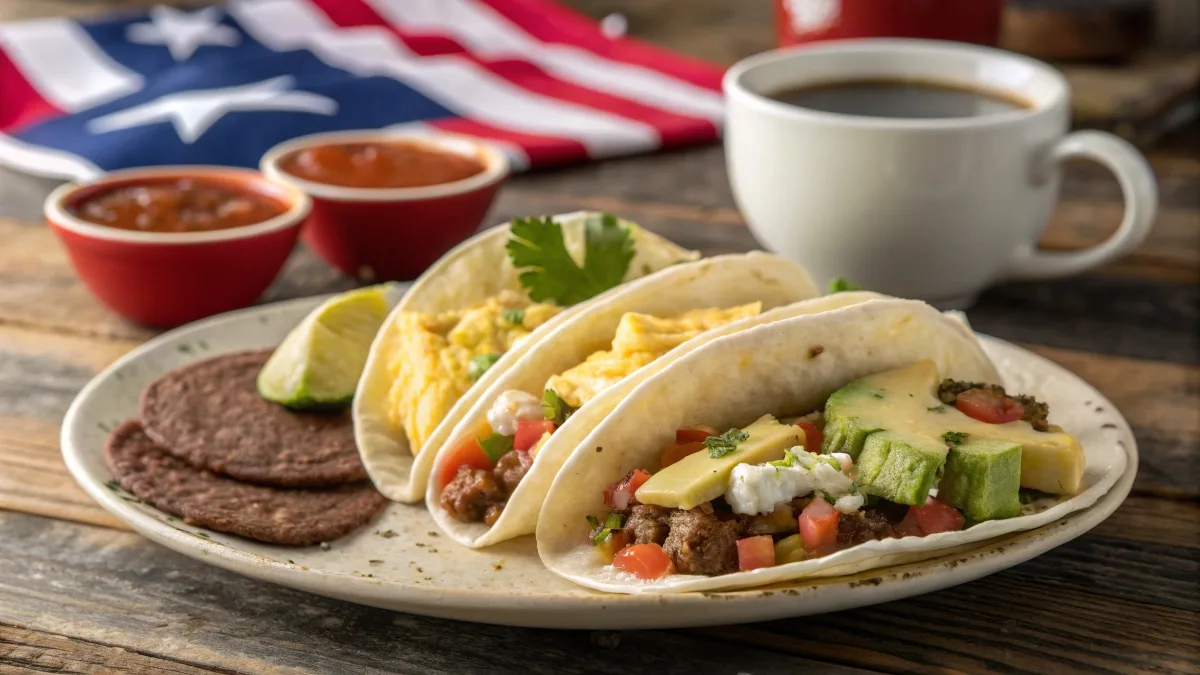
695, 433
813, 437
677, 451
644, 561
818, 526
756, 552
529, 433
988, 406
619, 495
468, 453
609, 547
930, 518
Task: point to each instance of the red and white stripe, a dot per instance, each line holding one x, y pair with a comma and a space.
539, 80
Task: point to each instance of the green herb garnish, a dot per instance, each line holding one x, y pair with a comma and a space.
554, 408
515, 317
719, 446
937, 409
955, 437
601, 532
496, 446
480, 364
840, 285
548, 272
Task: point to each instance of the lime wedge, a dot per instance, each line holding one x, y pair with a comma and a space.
318, 364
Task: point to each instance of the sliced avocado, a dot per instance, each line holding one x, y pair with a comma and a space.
900, 467
700, 478
905, 401
983, 479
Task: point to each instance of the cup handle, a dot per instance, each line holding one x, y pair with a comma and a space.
1141, 202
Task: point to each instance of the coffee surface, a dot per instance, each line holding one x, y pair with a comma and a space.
903, 99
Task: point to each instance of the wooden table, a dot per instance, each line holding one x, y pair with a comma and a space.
80, 593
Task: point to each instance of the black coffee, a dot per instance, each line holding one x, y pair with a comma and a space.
900, 99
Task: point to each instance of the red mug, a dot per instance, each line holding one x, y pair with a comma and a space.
801, 21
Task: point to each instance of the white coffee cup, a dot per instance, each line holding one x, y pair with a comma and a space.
936, 209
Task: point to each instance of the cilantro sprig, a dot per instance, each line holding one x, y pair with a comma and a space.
554, 408
480, 364
496, 446
549, 273
514, 317
719, 446
840, 285
955, 437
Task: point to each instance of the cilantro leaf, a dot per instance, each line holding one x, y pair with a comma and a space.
840, 285
480, 364
554, 408
719, 446
955, 437
496, 446
547, 270
514, 317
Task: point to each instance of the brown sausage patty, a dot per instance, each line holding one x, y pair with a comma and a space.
295, 517
211, 415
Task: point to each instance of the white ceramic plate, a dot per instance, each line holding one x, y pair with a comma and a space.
400, 562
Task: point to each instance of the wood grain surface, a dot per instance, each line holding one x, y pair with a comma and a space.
80, 594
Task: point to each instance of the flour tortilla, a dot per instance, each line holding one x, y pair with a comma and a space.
722, 281
470, 273
788, 367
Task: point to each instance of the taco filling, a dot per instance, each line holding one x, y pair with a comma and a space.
481, 474
896, 454
435, 358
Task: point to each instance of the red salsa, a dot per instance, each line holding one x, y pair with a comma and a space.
398, 164
177, 205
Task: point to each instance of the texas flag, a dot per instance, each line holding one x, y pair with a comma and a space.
221, 85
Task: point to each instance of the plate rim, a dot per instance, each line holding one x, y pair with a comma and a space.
520, 607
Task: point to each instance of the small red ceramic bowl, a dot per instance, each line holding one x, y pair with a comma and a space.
391, 234
170, 278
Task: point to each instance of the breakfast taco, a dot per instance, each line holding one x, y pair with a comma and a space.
813, 445
470, 316
493, 471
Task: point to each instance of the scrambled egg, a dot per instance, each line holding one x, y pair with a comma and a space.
431, 356
639, 339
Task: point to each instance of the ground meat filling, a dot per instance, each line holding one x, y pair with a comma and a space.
647, 524
858, 528
701, 543
1036, 412
471, 494
480, 494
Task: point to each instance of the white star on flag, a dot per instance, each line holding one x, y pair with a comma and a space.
182, 32
193, 112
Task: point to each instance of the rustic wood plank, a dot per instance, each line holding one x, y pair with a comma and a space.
25, 651
1112, 315
33, 478
118, 589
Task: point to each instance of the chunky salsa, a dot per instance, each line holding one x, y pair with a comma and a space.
397, 164
177, 205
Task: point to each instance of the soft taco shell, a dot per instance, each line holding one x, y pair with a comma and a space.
722, 281
788, 367
477, 269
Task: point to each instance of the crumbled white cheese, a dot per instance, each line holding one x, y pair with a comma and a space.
849, 503
511, 407
759, 488
846, 462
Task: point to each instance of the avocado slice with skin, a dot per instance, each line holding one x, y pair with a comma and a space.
904, 401
700, 478
983, 479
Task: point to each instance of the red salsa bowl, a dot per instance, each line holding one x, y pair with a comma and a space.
163, 246
387, 205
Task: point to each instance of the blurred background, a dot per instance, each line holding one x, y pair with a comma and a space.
1134, 65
